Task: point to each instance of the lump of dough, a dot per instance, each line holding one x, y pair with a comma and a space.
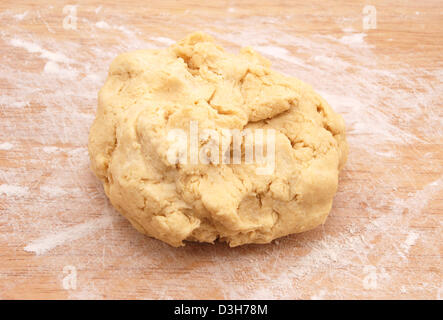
150, 92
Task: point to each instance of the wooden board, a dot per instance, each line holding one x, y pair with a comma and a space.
59, 236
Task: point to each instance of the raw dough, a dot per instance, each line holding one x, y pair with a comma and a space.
150, 92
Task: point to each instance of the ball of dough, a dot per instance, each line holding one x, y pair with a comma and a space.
149, 93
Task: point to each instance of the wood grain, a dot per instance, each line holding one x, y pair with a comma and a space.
383, 238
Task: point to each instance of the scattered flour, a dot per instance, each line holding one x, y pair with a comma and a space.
6, 146
53, 191
46, 243
163, 40
51, 149
51, 67
13, 191
354, 39
319, 296
32, 47
410, 241
20, 16
102, 25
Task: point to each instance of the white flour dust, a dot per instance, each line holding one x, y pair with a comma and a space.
163, 40
102, 25
6, 146
13, 191
44, 244
43, 53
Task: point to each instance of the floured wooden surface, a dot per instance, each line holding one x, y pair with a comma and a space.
383, 238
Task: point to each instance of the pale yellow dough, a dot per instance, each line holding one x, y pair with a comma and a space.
149, 92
